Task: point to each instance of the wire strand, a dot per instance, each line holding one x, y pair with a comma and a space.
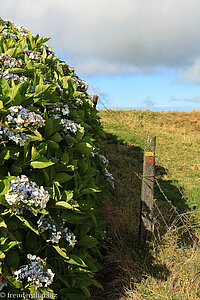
124, 127
177, 246
156, 156
167, 265
175, 210
177, 186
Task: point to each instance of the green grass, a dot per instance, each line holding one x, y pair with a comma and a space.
131, 272
177, 145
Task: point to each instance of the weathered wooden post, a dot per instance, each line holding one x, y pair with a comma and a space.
147, 192
95, 100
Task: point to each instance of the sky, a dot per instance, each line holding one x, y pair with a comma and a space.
142, 54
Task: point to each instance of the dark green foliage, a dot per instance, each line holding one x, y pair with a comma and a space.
62, 163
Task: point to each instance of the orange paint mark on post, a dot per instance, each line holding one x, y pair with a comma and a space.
149, 158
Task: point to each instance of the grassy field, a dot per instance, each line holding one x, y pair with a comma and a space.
170, 268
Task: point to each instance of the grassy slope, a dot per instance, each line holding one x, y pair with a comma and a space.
178, 141
129, 273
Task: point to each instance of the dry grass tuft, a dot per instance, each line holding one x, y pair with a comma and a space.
130, 272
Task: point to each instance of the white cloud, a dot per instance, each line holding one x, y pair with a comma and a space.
148, 103
174, 99
97, 66
113, 36
191, 74
96, 91
193, 99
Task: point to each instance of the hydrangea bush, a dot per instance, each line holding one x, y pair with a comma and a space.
52, 174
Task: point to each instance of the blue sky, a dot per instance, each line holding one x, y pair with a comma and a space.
156, 92
133, 53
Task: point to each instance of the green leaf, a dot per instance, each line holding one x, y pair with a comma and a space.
12, 281
41, 88
63, 205
33, 137
3, 228
59, 276
46, 175
11, 51
88, 241
8, 246
80, 133
65, 158
28, 224
14, 94
68, 195
2, 255
32, 292
72, 294
93, 218
53, 144
71, 139
49, 293
34, 153
61, 252
56, 138
5, 246
3, 240
7, 155
41, 164
36, 137
16, 170
62, 177
44, 55
56, 190
12, 259
85, 291
97, 284
75, 260
39, 210
48, 128
89, 191
59, 68
4, 155
4, 85
65, 81
77, 94
4, 186
30, 36
84, 148
12, 225
73, 217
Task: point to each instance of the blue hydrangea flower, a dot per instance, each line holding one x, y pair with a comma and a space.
23, 190
56, 233
35, 273
24, 117
9, 61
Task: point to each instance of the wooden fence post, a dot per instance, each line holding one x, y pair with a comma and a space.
147, 192
95, 100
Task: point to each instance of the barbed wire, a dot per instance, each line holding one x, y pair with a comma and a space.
167, 265
124, 127
162, 253
169, 231
177, 246
175, 210
156, 156
177, 186
184, 222
180, 217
